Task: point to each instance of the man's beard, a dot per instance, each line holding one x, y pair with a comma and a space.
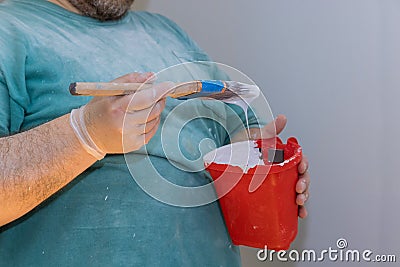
102, 9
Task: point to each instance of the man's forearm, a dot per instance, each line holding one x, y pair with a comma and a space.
37, 163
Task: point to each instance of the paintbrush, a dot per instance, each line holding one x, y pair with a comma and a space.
214, 89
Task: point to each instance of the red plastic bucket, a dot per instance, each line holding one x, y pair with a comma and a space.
267, 216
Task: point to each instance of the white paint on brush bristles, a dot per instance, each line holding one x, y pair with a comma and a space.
246, 93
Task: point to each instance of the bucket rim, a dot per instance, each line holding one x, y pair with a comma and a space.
259, 169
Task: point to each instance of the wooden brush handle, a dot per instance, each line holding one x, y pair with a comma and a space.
115, 89
106, 89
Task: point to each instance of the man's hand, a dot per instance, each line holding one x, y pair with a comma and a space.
302, 187
271, 130
121, 124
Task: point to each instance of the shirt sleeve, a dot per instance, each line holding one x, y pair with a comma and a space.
4, 108
12, 78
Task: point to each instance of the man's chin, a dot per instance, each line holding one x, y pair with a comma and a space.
103, 10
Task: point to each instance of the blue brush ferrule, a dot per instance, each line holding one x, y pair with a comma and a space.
208, 88
212, 86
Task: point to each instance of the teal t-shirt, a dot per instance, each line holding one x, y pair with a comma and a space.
104, 217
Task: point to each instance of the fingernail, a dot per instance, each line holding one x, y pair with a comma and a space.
303, 186
305, 166
300, 200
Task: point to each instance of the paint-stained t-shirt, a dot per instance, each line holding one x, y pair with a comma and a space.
104, 217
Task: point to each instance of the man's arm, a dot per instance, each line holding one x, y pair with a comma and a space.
37, 163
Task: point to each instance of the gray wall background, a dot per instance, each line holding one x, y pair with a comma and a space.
333, 67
